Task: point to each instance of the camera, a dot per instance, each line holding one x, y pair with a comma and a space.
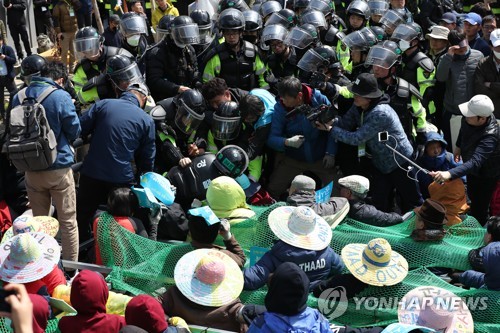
383, 136
4, 306
322, 113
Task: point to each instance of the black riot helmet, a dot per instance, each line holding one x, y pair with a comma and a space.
226, 121
253, 20
236, 4
274, 32
231, 160
231, 19
164, 27
360, 8
88, 42
300, 4
323, 6
31, 66
284, 17
190, 112
184, 31
320, 57
132, 24
314, 17
379, 32
269, 7
202, 18
312, 30
122, 71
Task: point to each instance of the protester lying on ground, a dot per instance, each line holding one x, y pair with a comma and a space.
204, 231
355, 189
286, 304
486, 260
227, 200
429, 221
302, 193
207, 286
304, 239
32, 259
372, 264
122, 203
146, 313
89, 294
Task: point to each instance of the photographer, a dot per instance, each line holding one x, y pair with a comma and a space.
360, 126
299, 144
21, 313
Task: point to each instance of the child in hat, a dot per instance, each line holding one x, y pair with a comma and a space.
89, 294
304, 239
355, 189
302, 193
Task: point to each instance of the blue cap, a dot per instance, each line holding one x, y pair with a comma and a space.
250, 187
449, 18
473, 18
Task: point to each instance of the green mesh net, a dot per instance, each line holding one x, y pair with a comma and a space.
144, 266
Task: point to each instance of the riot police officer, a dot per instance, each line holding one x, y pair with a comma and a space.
207, 40
235, 60
283, 61
134, 31
90, 45
171, 66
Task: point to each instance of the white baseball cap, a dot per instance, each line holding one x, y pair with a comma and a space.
478, 106
495, 37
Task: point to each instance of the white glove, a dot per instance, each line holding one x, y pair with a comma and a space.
328, 161
295, 141
225, 229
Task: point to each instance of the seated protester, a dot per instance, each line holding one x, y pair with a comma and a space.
452, 195
41, 313
302, 193
430, 220
207, 286
286, 303
89, 294
145, 312
355, 188
203, 234
372, 264
31, 259
227, 200
435, 158
304, 239
122, 203
484, 260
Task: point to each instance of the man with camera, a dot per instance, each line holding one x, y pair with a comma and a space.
360, 126
299, 144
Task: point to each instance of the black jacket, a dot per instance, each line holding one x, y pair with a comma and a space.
39, 5
168, 67
363, 212
15, 14
10, 60
480, 150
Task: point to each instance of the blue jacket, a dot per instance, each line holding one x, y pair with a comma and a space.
443, 162
61, 115
357, 127
308, 321
10, 59
121, 132
318, 265
316, 142
269, 102
490, 279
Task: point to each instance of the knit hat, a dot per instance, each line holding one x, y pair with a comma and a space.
355, 183
288, 290
303, 183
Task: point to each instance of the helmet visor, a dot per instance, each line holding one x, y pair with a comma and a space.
161, 33
320, 5
205, 34
274, 32
88, 47
134, 25
315, 18
404, 32
299, 38
391, 19
225, 128
379, 56
130, 74
311, 61
186, 34
186, 119
277, 18
378, 7
269, 7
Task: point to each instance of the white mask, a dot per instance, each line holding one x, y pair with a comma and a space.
497, 54
133, 40
404, 45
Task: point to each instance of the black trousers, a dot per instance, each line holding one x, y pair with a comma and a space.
84, 20
17, 30
6, 82
480, 191
91, 194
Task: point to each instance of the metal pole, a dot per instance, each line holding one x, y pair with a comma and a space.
408, 160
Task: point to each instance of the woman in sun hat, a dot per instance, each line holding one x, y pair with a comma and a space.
25, 223
372, 264
31, 259
304, 239
207, 286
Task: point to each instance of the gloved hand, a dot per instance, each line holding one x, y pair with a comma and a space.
249, 312
225, 229
328, 161
184, 162
295, 141
154, 219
